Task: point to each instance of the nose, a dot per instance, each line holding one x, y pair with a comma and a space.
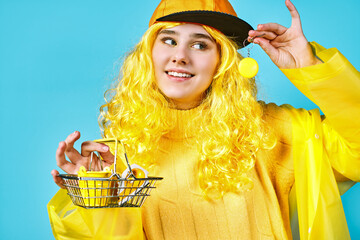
180, 56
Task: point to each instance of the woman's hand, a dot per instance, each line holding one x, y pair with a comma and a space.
76, 159
286, 47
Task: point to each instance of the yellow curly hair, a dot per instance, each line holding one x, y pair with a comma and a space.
234, 129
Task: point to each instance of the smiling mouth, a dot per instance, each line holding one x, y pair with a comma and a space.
180, 75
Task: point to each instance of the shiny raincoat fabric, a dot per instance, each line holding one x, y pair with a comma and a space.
319, 146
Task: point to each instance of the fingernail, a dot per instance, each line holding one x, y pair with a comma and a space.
74, 133
259, 26
105, 148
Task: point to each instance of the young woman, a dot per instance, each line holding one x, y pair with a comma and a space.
233, 167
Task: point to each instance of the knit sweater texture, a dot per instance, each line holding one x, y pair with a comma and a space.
178, 209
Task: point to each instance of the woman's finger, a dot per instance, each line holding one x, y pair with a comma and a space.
58, 180
272, 27
90, 146
267, 35
70, 151
108, 157
61, 160
295, 16
268, 48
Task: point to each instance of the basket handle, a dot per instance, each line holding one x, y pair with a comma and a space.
91, 159
111, 140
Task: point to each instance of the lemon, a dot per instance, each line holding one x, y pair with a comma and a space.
248, 67
139, 173
130, 185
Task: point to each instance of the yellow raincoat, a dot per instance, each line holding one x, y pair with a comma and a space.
319, 146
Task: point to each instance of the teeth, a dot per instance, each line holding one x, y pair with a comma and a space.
176, 74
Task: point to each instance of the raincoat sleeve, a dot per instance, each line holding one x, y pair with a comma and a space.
334, 86
323, 144
72, 222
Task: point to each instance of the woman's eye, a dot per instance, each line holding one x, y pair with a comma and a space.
199, 46
170, 42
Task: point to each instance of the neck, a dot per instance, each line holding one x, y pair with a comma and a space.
185, 105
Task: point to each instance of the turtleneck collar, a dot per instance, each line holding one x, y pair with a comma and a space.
186, 123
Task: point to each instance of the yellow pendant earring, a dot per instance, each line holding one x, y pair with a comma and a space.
248, 66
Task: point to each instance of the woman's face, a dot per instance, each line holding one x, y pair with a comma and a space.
185, 59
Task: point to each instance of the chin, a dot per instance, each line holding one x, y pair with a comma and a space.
176, 96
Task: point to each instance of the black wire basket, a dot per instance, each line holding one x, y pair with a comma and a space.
109, 189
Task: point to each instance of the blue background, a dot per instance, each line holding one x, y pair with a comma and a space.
58, 57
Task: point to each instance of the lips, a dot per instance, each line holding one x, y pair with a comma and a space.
176, 74
179, 74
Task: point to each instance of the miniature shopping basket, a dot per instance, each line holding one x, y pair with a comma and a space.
107, 188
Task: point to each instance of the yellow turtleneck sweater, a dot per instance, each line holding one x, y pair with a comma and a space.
307, 151
177, 209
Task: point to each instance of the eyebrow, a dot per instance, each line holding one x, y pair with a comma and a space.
193, 35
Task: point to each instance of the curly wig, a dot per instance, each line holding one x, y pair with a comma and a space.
234, 129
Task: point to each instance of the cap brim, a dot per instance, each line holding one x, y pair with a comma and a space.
233, 27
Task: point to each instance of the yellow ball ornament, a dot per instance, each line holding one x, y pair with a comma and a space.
248, 67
